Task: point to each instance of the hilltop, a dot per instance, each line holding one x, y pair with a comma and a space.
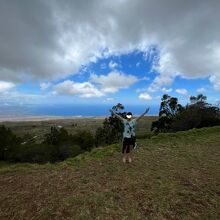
173, 176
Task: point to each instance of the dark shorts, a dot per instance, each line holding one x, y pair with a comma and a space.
127, 144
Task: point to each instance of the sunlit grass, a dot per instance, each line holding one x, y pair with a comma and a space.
173, 176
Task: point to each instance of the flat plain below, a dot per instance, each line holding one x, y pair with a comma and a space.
41, 125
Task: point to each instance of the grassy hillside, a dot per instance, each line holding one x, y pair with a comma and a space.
173, 176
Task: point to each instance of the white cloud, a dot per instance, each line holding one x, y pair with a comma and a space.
215, 80
160, 81
138, 64
109, 99
45, 86
84, 68
57, 38
112, 64
145, 78
5, 86
103, 66
167, 90
167, 69
141, 90
145, 96
114, 81
201, 90
182, 91
20, 98
85, 89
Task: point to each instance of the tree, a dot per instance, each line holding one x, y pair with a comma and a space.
198, 101
8, 141
118, 107
197, 114
112, 128
56, 136
169, 108
84, 139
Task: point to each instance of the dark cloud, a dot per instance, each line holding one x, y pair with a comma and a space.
52, 39
29, 41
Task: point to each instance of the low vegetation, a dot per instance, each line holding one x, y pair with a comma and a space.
56, 146
175, 117
173, 176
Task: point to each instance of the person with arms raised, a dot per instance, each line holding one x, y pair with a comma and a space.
129, 136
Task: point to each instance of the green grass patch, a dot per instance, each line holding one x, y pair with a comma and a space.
173, 176
94, 154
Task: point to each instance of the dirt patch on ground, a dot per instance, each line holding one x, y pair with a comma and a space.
161, 183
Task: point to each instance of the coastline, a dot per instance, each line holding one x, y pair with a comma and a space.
44, 118
50, 118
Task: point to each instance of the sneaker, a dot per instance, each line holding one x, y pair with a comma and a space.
124, 160
129, 160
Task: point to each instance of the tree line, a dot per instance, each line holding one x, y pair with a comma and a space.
57, 145
174, 117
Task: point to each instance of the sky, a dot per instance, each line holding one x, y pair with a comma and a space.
100, 52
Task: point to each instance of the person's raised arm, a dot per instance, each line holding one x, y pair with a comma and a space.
118, 116
146, 111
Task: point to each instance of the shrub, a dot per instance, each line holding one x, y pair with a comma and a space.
8, 141
196, 117
57, 146
84, 139
174, 117
112, 128
33, 153
56, 136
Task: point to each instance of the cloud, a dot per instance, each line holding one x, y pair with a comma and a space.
145, 78
109, 99
141, 90
145, 96
181, 91
5, 86
201, 90
215, 79
57, 37
45, 86
138, 64
30, 42
20, 98
114, 81
112, 64
159, 81
84, 90
167, 90
103, 66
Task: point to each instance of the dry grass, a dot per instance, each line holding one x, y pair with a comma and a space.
173, 176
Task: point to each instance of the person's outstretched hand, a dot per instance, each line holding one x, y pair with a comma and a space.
147, 110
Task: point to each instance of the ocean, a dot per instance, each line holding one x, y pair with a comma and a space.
85, 110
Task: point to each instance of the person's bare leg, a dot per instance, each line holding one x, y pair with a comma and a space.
124, 155
130, 155
124, 158
127, 154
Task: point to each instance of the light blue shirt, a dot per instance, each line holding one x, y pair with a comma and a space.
129, 128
